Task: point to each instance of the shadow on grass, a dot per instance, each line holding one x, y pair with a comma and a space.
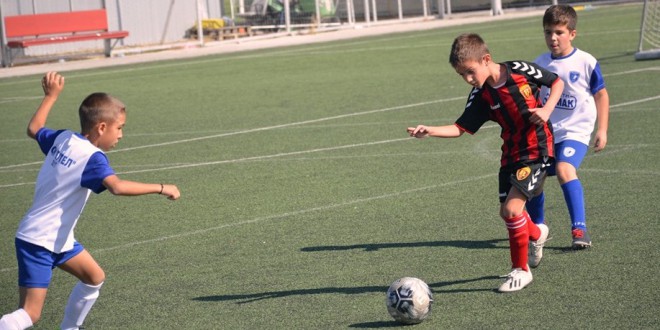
488, 244
378, 324
566, 249
611, 58
252, 297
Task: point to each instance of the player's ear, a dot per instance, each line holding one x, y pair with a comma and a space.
572, 34
486, 59
101, 127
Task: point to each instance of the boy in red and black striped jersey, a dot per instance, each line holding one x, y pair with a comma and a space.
507, 93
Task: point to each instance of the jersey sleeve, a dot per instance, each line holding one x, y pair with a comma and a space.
596, 83
46, 138
96, 170
475, 113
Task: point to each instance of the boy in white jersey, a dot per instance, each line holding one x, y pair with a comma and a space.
583, 101
75, 165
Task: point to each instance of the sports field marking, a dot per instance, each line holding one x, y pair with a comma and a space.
634, 102
299, 212
238, 160
19, 99
308, 49
2, 168
266, 128
284, 154
29, 98
337, 205
283, 215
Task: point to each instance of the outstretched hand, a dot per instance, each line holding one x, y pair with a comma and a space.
421, 131
171, 191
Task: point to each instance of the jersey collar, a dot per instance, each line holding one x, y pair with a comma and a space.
563, 57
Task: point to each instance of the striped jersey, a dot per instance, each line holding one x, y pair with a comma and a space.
73, 168
575, 114
508, 105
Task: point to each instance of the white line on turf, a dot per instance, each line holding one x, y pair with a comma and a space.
266, 128
6, 167
283, 154
283, 215
634, 102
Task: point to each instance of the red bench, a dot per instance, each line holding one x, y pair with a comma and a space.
43, 29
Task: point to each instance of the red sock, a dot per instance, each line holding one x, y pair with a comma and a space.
518, 239
532, 228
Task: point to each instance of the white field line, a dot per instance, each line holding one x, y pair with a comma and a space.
319, 208
2, 168
237, 160
311, 50
283, 154
633, 102
259, 129
283, 215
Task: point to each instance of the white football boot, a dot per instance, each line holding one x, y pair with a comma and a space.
536, 247
516, 280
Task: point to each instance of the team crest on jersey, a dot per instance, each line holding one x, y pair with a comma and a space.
573, 76
526, 91
523, 173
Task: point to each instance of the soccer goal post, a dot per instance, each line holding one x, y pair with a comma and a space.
649, 35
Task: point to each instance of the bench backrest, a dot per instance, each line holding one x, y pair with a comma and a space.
56, 23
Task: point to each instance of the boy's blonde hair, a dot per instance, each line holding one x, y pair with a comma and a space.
467, 47
97, 108
560, 15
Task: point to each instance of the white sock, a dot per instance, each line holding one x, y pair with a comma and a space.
18, 320
81, 300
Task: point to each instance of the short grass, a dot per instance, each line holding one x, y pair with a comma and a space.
303, 198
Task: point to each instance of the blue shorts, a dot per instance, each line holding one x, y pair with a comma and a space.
36, 263
568, 151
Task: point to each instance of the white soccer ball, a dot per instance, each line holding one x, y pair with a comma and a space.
409, 300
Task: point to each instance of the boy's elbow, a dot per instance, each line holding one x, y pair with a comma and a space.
32, 131
113, 185
113, 190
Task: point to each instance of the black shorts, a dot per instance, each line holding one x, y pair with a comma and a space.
528, 177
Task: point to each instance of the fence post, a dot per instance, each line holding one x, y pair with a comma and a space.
496, 7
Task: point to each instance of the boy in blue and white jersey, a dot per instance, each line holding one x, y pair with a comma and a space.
74, 166
583, 102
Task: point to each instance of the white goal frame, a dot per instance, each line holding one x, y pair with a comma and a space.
649, 35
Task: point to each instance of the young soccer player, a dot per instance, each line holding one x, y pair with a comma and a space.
584, 100
74, 166
507, 94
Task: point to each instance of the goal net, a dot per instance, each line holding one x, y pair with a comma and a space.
649, 36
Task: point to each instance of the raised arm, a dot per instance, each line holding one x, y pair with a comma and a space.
117, 186
52, 83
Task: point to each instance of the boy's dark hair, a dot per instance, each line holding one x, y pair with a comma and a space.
560, 15
97, 108
466, 47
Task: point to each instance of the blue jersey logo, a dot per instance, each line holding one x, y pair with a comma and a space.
59, 158
567, 102
574, 76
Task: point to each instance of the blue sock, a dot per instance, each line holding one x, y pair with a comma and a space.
574, 196
535, 208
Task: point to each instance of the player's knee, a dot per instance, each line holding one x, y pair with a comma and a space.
507, 212
566, 172
97, 279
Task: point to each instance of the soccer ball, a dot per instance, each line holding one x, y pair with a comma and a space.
409, 300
